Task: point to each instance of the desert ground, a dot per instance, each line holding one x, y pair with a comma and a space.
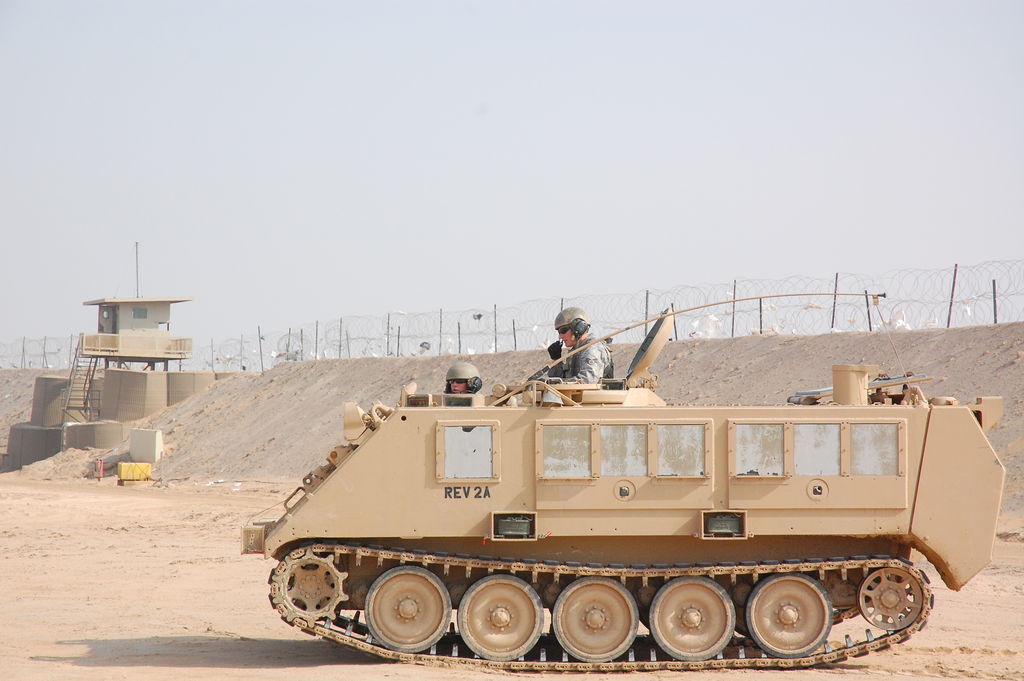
146, 582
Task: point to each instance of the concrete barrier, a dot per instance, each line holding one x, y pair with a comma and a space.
147, 446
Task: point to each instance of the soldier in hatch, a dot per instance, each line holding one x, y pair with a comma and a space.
462, 377
590, 364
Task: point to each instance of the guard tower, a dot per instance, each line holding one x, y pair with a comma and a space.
130, 331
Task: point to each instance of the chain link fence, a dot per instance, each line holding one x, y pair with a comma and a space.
987, 293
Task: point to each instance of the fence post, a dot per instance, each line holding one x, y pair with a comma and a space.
760, 316
952, 292
733, 333
832, 327
515, 341
995, 314
647, 308
302, 343
675, 330
868, 306
348, 344
259, 334
398, 342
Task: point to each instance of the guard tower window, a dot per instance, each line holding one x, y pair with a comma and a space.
681, 450
624, 450
816, 448
874, 448
566, 451
139, 313
759, 449
468, 452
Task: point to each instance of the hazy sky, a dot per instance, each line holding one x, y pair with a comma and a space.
291, 161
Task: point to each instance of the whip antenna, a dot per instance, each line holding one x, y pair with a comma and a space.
888, 334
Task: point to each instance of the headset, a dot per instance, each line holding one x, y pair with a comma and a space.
579, 327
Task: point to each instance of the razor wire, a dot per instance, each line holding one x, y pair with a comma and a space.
973, 295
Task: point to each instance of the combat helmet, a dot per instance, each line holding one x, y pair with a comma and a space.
575, 318
466, 372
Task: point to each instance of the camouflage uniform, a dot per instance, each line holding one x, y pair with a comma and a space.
589, 365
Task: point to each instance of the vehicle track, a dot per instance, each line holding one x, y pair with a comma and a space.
548, 654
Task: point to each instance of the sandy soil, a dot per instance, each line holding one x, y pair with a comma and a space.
146, 583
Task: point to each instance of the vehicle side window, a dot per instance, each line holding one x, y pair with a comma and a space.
874, 448
759, 449
566, 451
468, 452
816, 448
624, 450
681, 450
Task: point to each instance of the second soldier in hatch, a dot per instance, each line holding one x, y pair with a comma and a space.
462, 377
590, 364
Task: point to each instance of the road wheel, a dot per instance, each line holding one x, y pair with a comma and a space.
789, 615
408, 609
595, 619
500, 617
692, 618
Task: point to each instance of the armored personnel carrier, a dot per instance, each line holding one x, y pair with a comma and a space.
538, 527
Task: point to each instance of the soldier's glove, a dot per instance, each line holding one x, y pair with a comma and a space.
555, 350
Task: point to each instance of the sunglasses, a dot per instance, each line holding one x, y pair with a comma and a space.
459, 380
562, 329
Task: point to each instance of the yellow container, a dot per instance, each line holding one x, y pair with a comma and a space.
127, 470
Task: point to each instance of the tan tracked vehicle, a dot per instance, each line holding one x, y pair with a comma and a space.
538, 527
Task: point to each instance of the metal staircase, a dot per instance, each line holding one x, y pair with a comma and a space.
82, 399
